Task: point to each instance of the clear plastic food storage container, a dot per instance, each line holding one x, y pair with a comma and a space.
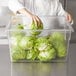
46, 42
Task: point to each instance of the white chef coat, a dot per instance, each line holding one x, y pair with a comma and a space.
38, 7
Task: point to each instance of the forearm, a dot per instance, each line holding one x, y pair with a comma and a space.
24, 11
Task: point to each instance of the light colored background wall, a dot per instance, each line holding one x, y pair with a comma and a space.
3, 2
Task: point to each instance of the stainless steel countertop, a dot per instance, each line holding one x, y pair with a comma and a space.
37, 69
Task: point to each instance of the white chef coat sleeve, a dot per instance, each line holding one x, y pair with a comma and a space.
60, 10
15, 5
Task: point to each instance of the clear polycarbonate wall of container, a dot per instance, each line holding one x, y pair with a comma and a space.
46, 42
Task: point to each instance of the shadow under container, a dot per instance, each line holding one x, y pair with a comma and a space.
47, 44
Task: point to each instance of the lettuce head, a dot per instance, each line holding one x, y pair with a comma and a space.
15, 40
18, 31
47, 55
35, 28
61, 51
27, 42
32, 54
58, 41
42, 43
58, 36
17, 54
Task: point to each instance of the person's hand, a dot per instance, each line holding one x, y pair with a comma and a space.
36, 19
69, 18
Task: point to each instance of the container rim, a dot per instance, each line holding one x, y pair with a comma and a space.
53, 16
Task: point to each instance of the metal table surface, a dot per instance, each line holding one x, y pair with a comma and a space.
37, 69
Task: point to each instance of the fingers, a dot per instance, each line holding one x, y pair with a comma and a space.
37, 20
69, 18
